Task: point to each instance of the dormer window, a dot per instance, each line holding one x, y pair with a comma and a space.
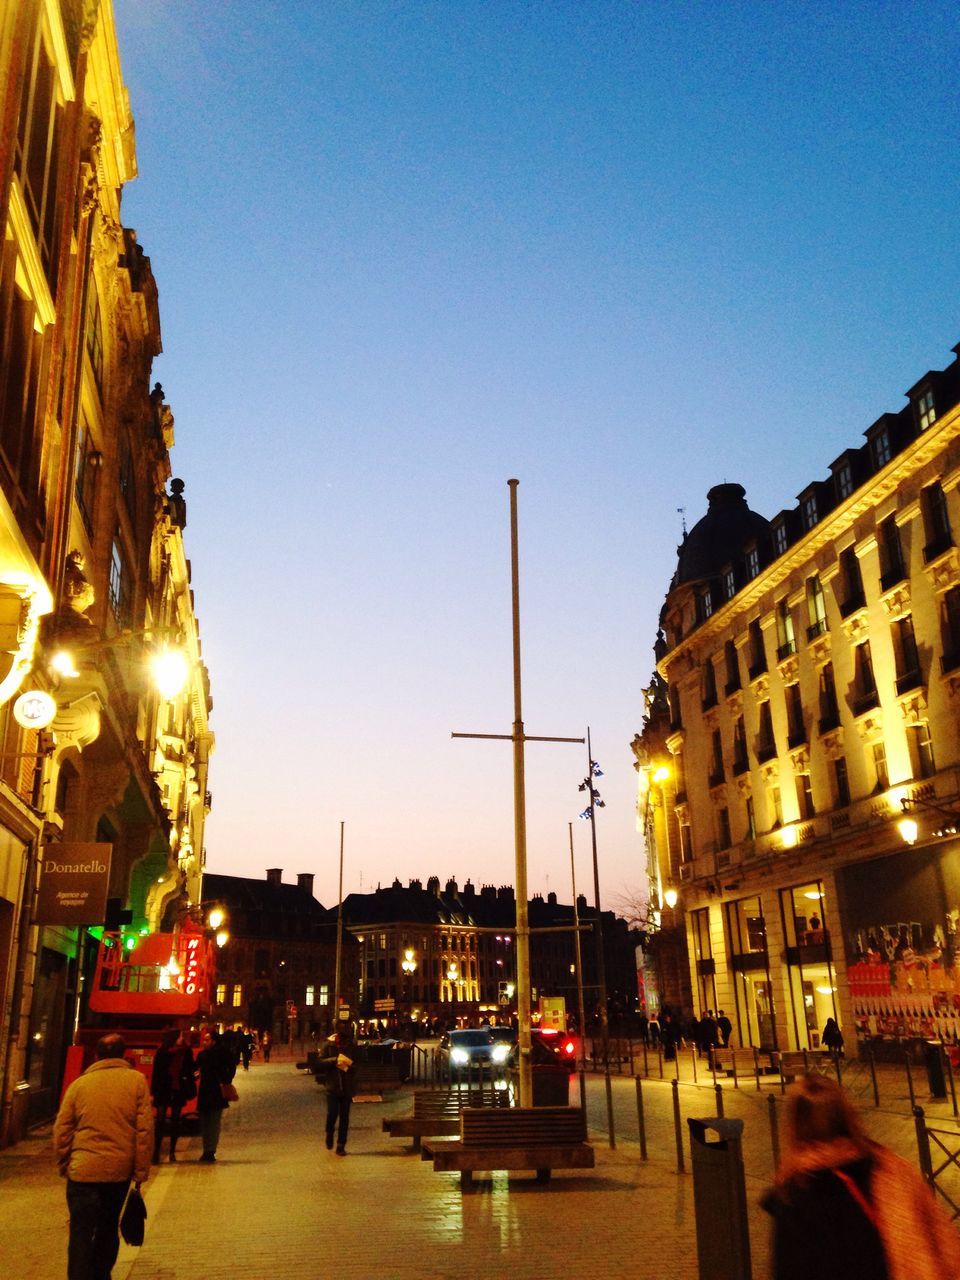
704, 604
844, 480
808, 510
926, 410
729, 584
880, 448
780, 538
753, 561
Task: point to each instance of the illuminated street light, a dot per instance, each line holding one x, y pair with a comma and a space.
170, 671
670, 897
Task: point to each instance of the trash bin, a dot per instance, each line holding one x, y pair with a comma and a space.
551, 1084
936, 1076
720, 1200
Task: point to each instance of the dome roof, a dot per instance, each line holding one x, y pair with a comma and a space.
719, 538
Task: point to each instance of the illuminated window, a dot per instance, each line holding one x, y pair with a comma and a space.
926, 411
118, 587
309, 995
879, 753
786, 640
221, 993
816, 608
237, 995
921, 750
324, 994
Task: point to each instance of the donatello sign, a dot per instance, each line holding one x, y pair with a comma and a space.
73, 884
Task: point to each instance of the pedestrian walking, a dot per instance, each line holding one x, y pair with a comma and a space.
103, 1137
832, 1036
172, 1085
875, 1216
707, 1038
216, 1069
724, 1028
337, 1059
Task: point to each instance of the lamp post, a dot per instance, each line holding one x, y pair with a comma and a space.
409, 966
578, 961
594, 771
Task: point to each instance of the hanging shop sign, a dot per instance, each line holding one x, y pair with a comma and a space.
73, 884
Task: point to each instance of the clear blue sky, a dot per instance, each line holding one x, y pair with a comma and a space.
407, 251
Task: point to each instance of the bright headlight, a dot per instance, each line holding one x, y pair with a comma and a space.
459, 1056
500, 1052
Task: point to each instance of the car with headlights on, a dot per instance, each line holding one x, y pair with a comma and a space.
469, 1048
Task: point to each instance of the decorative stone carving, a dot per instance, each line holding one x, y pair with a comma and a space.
913, 706
855, 626
820, 649
944, 571
77, 724
870, 725
832, 743
70, 625
789, 669
761, 686
896, 601
800, 759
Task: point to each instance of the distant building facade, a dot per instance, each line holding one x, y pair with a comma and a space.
810, 804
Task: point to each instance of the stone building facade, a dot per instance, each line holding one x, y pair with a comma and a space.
94, 580
810, 763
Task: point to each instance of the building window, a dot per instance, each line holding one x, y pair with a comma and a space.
805, 796
786, 641
829, 707
87, 459
880, 448
729, 584
37, 151
118, 588
921, 750
816, 608
950, 629
732, 663
780, 540
221, 992
94, 336
766, 744
686, 843
905, 655
676, 719
796, 732
309, 995
704, 604
709, 689
879, 753
850, 582
892, 567
865, 685
808, 510
724, 839
716, 764
926, 411
844, 480
936, 520
751, 820
753, 561
841, 783
758, 656
237, 995
740, 760
776, 807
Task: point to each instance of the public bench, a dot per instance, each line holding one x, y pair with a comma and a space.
537, 1138
793, 1063
741, 1062
436, 1114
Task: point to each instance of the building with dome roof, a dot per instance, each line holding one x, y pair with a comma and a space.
800, 782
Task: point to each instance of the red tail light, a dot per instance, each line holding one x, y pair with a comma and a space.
569, 1048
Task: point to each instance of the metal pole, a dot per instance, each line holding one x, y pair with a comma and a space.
718, 1090
336, 981
873, 1076
520, 823
678, 1129
601, 965
774, 1129
923, 1145
913, 1100
578, 961
641, 1123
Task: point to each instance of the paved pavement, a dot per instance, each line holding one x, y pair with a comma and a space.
278, 1204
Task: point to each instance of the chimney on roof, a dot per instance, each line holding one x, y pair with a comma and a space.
451, 888
581, 902
468, 890
488, 891
505, 893
305, 882
396, 883
415, 884
433, 885
274, 875
552, 899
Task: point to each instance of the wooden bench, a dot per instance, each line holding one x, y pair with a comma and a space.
538, 1138
741, 1062
795, 1063
436, 1114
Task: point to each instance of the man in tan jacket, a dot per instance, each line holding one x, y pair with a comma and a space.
103, 1137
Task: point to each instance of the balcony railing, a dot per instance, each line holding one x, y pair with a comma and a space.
816, 628
766, 751
856, 600
937, 547
786, 649
866, 701
896, 573
909, 680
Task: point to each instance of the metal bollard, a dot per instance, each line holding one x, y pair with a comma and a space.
677, 1125
923, 1145
646, 1069
641, 1123
736, 1082
676, 1062
906, 1058
693, 1059
718, 1090
873, 1076
756, 1068
774, 1129
660, 1057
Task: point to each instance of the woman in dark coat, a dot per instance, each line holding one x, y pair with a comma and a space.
216, 1068
171, 1086
337, 1059
872, 1213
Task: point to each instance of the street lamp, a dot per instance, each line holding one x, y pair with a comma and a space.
590, 814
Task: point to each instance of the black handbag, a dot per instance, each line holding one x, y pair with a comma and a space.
133, 1219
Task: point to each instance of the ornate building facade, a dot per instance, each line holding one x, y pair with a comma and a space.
811, 761
94, 581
